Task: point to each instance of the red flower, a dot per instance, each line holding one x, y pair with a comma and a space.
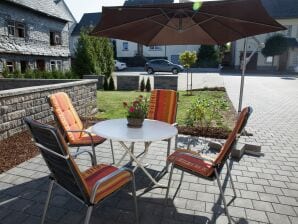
131, 109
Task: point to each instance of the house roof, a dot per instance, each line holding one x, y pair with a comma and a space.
53, 8
87, 20
281, 9
144, 2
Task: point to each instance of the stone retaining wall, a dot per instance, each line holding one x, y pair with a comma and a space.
32, 101
166, 82
128, 82
6, 84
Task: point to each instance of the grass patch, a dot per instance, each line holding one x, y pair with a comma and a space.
110, 105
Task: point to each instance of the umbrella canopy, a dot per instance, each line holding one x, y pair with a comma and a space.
216, 22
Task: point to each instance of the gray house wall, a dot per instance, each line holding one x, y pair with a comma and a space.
36, 44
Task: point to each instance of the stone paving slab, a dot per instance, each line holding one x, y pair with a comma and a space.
267, 187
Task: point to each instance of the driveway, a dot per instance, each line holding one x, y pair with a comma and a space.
267, 187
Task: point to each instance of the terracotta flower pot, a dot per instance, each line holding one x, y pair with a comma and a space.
135, 122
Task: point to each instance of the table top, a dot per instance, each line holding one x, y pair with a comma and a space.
117, 130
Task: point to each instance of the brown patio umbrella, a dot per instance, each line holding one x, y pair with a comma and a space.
215, 22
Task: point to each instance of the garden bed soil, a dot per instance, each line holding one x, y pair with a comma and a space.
16, 149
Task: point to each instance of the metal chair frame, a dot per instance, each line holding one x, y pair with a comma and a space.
89, 202
216, 167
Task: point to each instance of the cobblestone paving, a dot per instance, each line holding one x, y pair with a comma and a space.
267, 187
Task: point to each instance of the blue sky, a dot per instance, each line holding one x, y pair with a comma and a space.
79, 7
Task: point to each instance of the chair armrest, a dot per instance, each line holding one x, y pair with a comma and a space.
106, 178
84, 151
82, 131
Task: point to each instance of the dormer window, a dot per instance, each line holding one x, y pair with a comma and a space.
16, 29
55, 38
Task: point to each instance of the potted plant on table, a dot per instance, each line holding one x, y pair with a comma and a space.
136, 112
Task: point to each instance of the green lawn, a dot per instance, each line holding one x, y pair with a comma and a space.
110, 104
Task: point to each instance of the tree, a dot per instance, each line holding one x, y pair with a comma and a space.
209, 57
142, 85
111, 84
94, 55
187, 59
275, 45
105, 83
148, 85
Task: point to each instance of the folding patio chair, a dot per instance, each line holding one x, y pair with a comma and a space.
91, 186
205, 167
71, 125
163, 107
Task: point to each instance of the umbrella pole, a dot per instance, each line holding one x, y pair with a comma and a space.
242, 76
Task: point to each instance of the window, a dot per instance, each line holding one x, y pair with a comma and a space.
16, 29
269, 59
20, 30
56, 65
125, 46
11, 27
10, 66
155, 48
55, 38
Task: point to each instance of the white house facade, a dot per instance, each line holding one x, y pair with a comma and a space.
286, 13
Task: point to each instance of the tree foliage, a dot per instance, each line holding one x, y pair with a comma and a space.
142, 85
188, 58
208, 55
94, 55
275, 45
148, 85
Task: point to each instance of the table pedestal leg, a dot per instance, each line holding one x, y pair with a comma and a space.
139, 163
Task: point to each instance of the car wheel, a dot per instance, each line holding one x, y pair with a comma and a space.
175, 71
150, 71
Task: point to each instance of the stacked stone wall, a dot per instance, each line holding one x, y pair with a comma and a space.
15, 104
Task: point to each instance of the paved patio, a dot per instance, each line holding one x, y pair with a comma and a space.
267, 187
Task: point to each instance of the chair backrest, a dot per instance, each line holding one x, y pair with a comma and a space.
55, 152
163, 105
66, 115
239, 126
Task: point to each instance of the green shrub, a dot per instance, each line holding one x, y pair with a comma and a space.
205, 112
142, 85
105, 83
111, 84
208, 56
148, 85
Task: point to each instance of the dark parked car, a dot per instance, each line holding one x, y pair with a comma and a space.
162, 65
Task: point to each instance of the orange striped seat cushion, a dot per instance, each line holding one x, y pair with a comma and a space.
95, 173
192, 161
163, 105
70, 120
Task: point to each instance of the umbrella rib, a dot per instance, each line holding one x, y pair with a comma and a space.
240, 20
200, 23
209, 35
161, 24
236, 31
124, 24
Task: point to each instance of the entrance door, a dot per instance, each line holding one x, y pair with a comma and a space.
283, 61
40, 65
252, 64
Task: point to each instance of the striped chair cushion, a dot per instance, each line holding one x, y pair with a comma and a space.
192, 161
95, 173
70, 120
163, 105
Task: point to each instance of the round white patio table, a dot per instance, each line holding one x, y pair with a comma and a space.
151, 131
